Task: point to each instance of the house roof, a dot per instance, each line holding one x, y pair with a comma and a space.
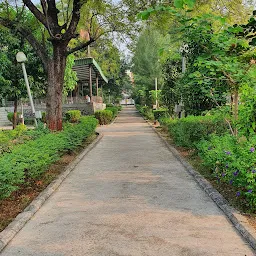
82, 69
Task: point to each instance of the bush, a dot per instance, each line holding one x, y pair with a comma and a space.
160, 113
146, 112
188, 131
119, 108
165, 121
233, 161
73, 116
10, 116
28, 161
43, 119
114, 111
104, 116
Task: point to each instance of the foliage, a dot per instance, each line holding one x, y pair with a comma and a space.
146, 112
114, 110
104, 116
188, 131
160, 113
146, 65
232, 161
70, 77
10, 138
10, 116
73, 116
28, 161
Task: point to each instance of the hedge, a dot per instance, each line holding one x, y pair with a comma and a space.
28, 161
104, 116
160, 113
73, 116
114, 110
188, 131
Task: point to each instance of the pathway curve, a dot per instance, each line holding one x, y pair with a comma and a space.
128, 197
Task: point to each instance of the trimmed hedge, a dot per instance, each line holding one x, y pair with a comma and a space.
28, 161
104, 116
160, 113
114, 110
73, 116
188, 131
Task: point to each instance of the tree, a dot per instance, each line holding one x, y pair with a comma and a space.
12, 86
59, 25
146, 64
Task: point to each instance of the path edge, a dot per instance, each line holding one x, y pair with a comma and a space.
22, 218
238, 221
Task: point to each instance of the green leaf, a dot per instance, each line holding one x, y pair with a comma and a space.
178, 4
190, 3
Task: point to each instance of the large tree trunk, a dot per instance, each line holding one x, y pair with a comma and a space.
15, 116
56, 70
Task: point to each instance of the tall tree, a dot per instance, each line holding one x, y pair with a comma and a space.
59, 23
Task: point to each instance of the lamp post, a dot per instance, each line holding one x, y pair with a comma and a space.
156, 92
21, 58
184, 50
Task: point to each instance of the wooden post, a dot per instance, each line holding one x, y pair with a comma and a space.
97, 85
90, 80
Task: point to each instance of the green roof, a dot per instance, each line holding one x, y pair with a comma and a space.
82, 69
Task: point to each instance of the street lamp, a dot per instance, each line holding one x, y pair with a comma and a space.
21, 58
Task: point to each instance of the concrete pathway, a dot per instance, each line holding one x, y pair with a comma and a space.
128, 197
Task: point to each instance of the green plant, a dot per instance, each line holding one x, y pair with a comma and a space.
160, 113
104, 116
43, 117
146, 111
233, 161
114, 110
10, 116
188, 131
28, 161
73, 116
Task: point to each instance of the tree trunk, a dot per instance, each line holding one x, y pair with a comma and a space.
56, 70
15, 118
236, 109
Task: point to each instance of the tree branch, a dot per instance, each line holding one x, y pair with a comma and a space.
81, 46
35, 11
40, 50
74, 20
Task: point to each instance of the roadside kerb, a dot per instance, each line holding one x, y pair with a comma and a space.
19, 222
239, 221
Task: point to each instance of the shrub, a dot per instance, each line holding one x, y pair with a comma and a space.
119, 108
73, 116
28, 161
188, 131
160, 113
104, 116
114, 110
233, 161
146, 112
10, 116
43, 119
165, 121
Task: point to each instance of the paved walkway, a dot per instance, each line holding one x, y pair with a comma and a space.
128, 197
